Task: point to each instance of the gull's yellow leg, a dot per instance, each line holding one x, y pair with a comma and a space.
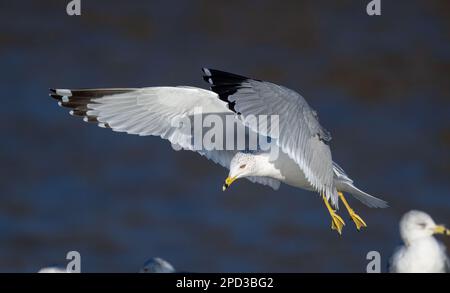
336, 221
357, 219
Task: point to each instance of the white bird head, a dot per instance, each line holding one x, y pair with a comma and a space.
416, 225
242, 165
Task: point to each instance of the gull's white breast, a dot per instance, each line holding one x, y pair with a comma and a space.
288, 172
421, 256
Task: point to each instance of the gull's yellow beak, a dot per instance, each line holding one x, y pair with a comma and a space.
440, 229
228, 182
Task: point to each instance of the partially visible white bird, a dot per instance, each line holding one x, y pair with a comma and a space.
53, 270
157, 265
421, 252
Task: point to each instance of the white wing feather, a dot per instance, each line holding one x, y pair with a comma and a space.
153, 111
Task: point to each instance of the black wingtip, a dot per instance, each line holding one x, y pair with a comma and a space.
224, 84
55, 96
211, 72
206, 71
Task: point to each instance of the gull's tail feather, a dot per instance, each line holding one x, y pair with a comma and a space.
78, 100
345, 184
365, 198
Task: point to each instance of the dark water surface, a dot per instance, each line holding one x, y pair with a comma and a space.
380, 84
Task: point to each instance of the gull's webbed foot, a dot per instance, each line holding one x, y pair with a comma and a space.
357, 219
337, 223
359, 222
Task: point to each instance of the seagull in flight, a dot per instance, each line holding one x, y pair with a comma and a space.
304, 156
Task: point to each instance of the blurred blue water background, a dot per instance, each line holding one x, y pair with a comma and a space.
380, 84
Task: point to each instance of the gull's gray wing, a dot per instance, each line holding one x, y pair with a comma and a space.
151, 111
300, 135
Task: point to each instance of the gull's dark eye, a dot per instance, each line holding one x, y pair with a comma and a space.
422, 225
242, 166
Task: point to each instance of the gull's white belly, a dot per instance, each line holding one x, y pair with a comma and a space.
289, 172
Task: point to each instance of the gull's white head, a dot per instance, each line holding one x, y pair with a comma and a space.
416, 225
242, 165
